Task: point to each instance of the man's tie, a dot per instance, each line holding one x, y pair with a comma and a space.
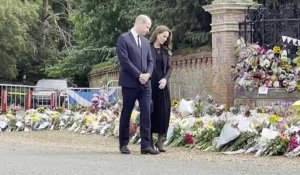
138, 41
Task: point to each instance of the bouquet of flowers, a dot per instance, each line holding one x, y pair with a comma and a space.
204, 140
277, 146
177, 138
244, 141
198, 106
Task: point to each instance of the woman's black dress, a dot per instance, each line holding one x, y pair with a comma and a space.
160, 116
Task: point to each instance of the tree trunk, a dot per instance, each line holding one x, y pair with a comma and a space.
45, 14
45, 11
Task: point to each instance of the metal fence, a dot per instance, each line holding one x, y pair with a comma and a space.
14, 94
268, 24
26, 97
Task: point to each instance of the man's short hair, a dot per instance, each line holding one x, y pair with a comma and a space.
142, 18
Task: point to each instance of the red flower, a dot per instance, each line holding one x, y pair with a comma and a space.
188, 138
247, 113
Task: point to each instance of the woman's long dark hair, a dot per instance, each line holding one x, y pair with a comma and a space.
161, 29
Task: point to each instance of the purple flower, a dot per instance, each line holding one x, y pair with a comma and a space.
198, 98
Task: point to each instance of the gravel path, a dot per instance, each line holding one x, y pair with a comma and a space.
64, 152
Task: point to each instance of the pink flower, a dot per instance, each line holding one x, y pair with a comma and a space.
261, 50
293, 143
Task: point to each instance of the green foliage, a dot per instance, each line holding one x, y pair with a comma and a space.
16, 19
277, 146
77, 63
69, 37
187, 19
104, 66
24, 50
99, 23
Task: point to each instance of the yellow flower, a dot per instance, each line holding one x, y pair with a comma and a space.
41, 109
298, 86
296, 60
226, 108
274, 118
9, 115
134, 114
175, 103
34, 117
288, 67
88, 119
210, 126
198, 121
104, 117
276, 49
274, 78
54, 116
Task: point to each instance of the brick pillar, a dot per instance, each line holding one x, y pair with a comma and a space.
226, 14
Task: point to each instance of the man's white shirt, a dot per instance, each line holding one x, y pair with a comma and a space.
135, 35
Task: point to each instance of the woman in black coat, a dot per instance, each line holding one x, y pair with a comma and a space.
161, 44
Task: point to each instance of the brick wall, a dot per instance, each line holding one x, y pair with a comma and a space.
101, 77
191, 76
226, 15
223, 49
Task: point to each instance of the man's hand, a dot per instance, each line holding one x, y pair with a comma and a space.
144, 78
162, 83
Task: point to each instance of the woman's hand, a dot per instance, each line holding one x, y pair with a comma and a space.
162, 83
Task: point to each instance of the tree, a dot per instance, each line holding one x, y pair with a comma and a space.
31, 38
16, 18
97, 24
187, 19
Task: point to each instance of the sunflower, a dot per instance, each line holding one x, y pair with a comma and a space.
276, 49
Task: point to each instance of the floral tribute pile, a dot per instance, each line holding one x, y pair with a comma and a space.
196, 124
270, 130
272, 68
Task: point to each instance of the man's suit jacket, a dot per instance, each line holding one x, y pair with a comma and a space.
134, 60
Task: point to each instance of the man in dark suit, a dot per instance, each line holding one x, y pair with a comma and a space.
136, 62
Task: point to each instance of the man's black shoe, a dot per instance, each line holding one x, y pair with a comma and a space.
124, 150
149, 150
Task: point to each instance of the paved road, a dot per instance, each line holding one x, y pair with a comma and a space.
39, 154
